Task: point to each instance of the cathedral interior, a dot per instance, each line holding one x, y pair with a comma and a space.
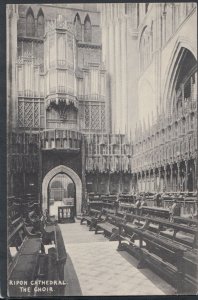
102, 131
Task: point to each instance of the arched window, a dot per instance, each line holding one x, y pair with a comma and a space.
87, 30
40, 23
30, 25
78, 27
184, 87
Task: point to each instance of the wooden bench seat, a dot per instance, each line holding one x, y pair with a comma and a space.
170, 249
109, 226
106, 227
190, 265
29, 261
187, 221
93, 213
162, 253
61, 252
155, 211
23, 264
187, 235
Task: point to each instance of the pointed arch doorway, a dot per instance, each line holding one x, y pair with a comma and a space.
74, 177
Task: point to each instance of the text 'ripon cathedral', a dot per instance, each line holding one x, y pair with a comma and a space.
105, 93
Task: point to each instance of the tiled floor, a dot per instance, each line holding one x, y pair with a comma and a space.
101, 270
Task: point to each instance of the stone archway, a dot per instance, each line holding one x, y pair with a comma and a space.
76, 179
182, 46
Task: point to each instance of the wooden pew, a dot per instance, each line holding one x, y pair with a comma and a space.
145, 210
108, 201
188, 234
187, 221
93, 213
129, 207
30, 260
160, 253
189, 263
28, 249
109, 226
14, 208
29, 203
156, 211
44, 225
126, 199
95, 202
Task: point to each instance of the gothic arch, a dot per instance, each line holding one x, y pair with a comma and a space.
145, 46
30, 23
78, 27
87, 29
172, 69
73, 175
40, 23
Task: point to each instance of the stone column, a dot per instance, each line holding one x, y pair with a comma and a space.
108, 184
195, 183
165, 178
178, 177
84, 187
186, 175
159, 187
124, 74
171, 178
121, 184
118, 84
155, 180
40, 175
195, 176
141, 180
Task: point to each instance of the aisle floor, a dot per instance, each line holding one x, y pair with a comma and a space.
102, 270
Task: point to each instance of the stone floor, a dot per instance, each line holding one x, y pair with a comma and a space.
101, 270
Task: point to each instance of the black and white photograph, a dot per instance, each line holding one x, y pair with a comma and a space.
101, 149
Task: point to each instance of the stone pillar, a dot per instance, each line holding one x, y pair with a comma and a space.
171, 178
108, 184
123, 62
186, 175
165, 178
118, 85
178, 177
121, 183
40, 175
84, 187
154, 180
149, 177
141, 180
195, 183
11, 40
145, 182
159, 187
111, 66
